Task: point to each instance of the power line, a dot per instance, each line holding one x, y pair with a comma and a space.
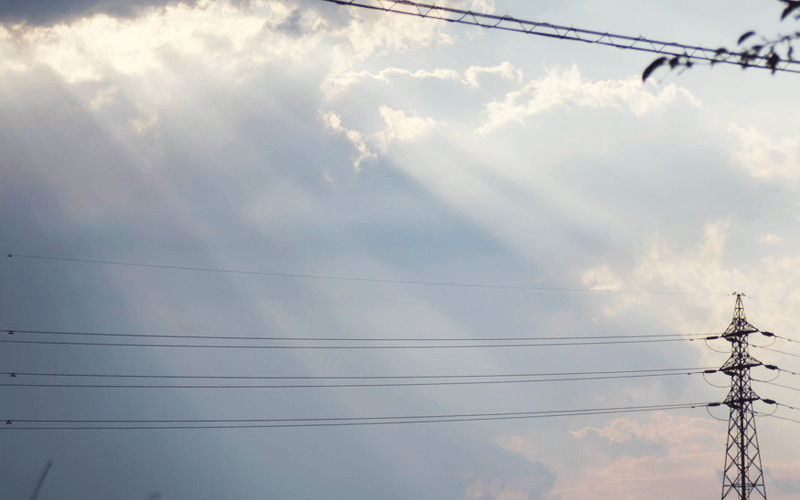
776, 350
788, 371
697, 336
781, 418
340, 347
348, 278
787, 339
356, 377
73, 424
777, 385
692, 53
351, 385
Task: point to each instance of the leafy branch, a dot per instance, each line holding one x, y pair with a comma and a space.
767, 52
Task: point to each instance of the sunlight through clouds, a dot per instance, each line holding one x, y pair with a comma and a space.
370, 176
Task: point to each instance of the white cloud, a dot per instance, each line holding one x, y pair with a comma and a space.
601, 279
391, 33
765, 159
692, 447
703, 280
700, 269
770, 239
691, 434
147, 120
559, 88
337, 82
103, 97
402, 127
90, 48
227, 39
483, 6
633, 459
334, 122
505, 70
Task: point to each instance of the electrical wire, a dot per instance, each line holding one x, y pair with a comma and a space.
341, 347
359, 385
787, 339
715, 350
789, 372
777, 385
348, 278
776, 350
711, 384
74, 424
787, 406
708, 410
694, 336
780, 418
691, 53
773, 379
356, 377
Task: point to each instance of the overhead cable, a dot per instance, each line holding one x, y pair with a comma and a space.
778, 351
352, 377
349, 278
87, 424
692, 53
697, 336
341, 347
777, 385
347, 385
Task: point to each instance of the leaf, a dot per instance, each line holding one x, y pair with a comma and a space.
744, 59
772, 62
790, 7
652, 67
745, 37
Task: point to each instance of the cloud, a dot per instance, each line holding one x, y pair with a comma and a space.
619, 461
402, 127
103, 97
561, 88
702, 276
691, 434
336, 83
225, 37
98, 47
147, 121
334, 122
770, 239
601, 279
692, 449
53, 11
505, 70
765, 159
390, 33
399, 126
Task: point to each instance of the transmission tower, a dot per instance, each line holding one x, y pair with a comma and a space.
743, 477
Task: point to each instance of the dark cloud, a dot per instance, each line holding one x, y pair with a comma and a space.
53, 11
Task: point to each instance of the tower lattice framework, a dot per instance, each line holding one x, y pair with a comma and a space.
743, 477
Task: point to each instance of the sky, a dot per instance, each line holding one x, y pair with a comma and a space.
297, 142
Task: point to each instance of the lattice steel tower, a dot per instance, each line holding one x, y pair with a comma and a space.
743, 478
